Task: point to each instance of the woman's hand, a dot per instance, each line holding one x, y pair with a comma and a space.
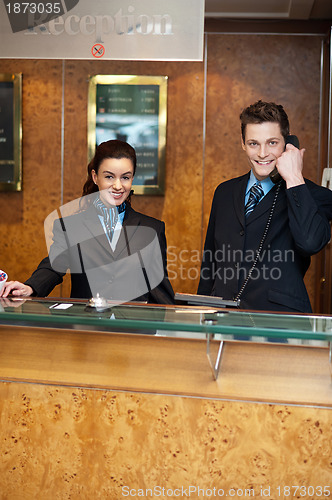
17, 289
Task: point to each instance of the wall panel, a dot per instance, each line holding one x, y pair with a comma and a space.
22, 243
67, 442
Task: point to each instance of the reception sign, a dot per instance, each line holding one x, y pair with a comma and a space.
132, 109
10, 132
108, 29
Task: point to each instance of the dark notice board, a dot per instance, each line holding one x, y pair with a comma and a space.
10, 131
131, 113
132, 108
7, 162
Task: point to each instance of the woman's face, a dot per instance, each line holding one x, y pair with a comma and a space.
114, 180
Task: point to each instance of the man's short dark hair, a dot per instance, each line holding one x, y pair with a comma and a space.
261, 112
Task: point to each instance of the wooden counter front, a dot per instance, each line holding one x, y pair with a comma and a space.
96, 415
146, 363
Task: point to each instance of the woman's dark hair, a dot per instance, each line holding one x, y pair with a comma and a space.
261, 112
109, 149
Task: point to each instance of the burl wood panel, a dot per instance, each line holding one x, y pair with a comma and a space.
63, 443
22, 243
243, 69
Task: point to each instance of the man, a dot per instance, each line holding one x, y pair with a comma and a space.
261, 234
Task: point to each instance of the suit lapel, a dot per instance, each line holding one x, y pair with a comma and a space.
263, 206
238, 197
239, 200
130, 225
93, 225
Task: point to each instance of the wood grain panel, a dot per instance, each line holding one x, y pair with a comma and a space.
255, 372
23, 213
61, 442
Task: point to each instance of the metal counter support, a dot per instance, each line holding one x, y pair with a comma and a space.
215, 366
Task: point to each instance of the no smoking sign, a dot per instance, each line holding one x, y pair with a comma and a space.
98, 50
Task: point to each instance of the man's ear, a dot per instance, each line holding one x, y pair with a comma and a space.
242, 143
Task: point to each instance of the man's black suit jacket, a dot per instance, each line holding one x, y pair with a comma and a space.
136, 266
299, 228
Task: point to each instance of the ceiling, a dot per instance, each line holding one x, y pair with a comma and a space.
269, 9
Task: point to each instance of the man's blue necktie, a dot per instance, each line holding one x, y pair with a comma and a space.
255, 194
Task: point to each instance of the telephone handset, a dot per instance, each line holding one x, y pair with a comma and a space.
290, 139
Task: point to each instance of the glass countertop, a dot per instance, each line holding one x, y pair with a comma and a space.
180, 321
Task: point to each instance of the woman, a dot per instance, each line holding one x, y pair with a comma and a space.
109, 248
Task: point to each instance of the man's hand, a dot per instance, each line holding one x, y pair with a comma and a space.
290, 166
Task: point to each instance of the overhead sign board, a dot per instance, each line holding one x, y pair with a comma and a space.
108, 29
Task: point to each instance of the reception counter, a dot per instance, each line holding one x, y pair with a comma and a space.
122, 402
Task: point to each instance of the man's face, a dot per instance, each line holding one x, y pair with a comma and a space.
264, 143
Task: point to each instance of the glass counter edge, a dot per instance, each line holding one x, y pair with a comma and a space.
183, 327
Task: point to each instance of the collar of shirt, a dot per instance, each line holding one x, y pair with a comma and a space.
117, 229
266, 184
